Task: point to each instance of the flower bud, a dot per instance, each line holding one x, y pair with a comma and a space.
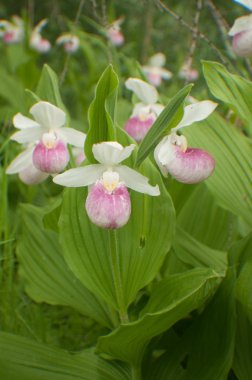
108, 209
50, 156
186, 165
138, 126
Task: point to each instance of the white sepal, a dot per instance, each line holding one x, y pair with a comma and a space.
23, 122
28, 135
196, 112
48, 115
144, 91
136, 181
111, 153
73, 136
21, 162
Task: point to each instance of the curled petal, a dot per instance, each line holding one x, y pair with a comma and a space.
21, 162
196, 112
78, 177
48, 115
28, 135
144, 91
23, 122
111, 153
136, 181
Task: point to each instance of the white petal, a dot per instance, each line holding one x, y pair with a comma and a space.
48, 115
245, 3
21, 162
28, 135
157, 60
73, 136
144, 91
23, 122
111, 153
196, 112
78, 177
136, 181
241, 24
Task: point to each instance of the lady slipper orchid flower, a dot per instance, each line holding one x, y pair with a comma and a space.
37, 42
145, 113
172, 155
108, 202
114, 33
45, 139
241, 32
70, 42
154, 70
12, 32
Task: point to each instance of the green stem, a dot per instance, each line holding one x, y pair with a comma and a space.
136, 373
116, 272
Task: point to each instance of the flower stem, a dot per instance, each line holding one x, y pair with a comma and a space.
116, 272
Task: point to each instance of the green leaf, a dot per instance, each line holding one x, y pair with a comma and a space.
101, 112
12, 91
195, 254
47, 277
23, 359
171, 299
48, 87
234, 90
196, 220
169, 118
231, 181
206, 347
140, 246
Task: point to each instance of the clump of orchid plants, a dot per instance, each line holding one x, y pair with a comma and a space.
241, 32
108, 202
45, 140
145, 112
155, 71
174, 157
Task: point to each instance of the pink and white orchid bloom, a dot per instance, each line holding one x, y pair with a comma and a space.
241, 32
45, 138
69, 41
12, 32
114, 33
145, 113
172, 155
37, 42
155, 71
108, 202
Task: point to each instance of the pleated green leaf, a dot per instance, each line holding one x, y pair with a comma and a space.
204, 351
169, 118
46, 275
231, 182
233, 90
171, 300
201, 211
140, 246
48, 87
101, 112
195, 254
23, 359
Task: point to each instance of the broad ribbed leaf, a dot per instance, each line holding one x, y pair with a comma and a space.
48, 87
169, 118
171, 300
140, 246
47, 277
199, 212
195, 254
231, 181
233, 90
205, 350
101, 112
23, 359
12, 91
